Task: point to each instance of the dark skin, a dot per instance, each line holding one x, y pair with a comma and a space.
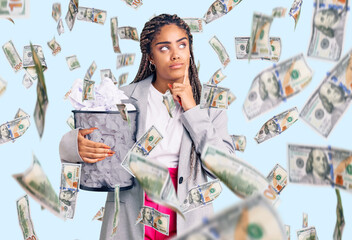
170, 54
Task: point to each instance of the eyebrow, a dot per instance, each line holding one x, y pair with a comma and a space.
167, 42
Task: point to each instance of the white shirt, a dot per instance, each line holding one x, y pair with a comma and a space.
168, 150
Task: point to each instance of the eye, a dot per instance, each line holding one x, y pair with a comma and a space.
328, 91
164, 48
183, 45
322, 19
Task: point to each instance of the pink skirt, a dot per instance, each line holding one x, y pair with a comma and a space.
149, 232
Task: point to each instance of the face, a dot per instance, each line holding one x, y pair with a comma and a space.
319, 162
270, 83
331, 92
66, 195
195, 195
271, 126
170, 53
147, 214
325, 18
4, 132
218, 6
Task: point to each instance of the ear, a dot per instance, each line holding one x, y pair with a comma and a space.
150, 58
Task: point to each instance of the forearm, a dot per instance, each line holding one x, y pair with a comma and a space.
68, 147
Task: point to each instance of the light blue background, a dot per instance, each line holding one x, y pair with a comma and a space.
91, 41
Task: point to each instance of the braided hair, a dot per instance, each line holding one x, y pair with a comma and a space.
150, 30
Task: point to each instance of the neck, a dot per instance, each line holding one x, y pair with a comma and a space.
161, 84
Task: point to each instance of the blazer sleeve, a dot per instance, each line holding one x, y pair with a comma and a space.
68, 147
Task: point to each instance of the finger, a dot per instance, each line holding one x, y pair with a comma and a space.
88, 160
86, 131
186, 74
95, 155
96, 150
89, 143
178, 85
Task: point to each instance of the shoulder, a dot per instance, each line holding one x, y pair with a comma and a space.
130, 88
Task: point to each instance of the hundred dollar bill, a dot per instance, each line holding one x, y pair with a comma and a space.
14, 129
125, 60
3, 85
14, 9
305, 220
277, 125
72, 62
24, 218
91, 15
71, 122
60, 27
242, 49
308, 233
320, 166
278, 178
71, 14
214, 97
155, 179
128, 33
288, 232
12, 56
240, 142
134, 3
220, 50
259, 44
253, 218
70, 176
122, 79
155, 219
143, 146
295, 10
240, 177
115, 221
274, 85
328, 30
37, 185
169, 102
27, 81
279, 12
99, 215
124, 113
331, 99
219, 8
106, 73
217, 77
198, 66
195, 24
56, 12
90, 71
340, 219
114, 35
54, 46
88, 90
28, 61
231, 97
201, 195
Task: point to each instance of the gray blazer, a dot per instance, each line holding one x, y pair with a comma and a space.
201, 126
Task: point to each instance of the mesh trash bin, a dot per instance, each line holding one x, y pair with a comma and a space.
116, 133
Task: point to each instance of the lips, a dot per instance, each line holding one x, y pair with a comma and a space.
176, 65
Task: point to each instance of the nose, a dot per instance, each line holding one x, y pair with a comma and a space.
175, 55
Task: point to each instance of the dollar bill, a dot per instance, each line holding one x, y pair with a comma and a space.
42, 96
125, 60
115, 221
240, 142
305, 220
220, 50
37, 185
124, 113
198, 66
114, 35
12, 56
340, 219
56, 12
128, 33
71, 122
201, 195
14, 129
277, 125
195, 24
155, 179
308, 233
122, 79
253, 218
60, 27
72, 62
295, 10
331, 99
28, 61
54, 46
288, 232
88, 90
91, 15
90, 71
219, 8
217, 77
259, 44
3, 86
71, 13
169, 102
143, 146
278, 178
106, 73
274, 85
14, 9
329, 21
214, 97
20, 114
24, 218
320, 166
99, 215
279, 12
134, 3
27, 81
155, 219
70, 178
240, 177
231, 97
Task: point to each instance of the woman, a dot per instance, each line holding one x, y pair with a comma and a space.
167, 63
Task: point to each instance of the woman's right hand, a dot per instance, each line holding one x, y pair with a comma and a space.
89, 151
